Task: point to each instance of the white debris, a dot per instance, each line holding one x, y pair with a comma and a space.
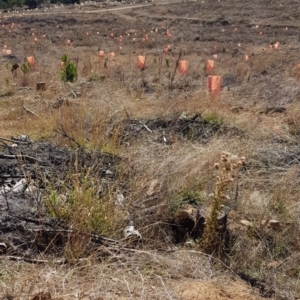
131, 231
19, 186
154, 187
3, 245
62, 198
23, 138
31, 189
246, 223
5, 190
120, 200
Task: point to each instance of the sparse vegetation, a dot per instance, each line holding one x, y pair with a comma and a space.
163, 135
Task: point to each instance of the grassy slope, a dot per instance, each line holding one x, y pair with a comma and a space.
268, 187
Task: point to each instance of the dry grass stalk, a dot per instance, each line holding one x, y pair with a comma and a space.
228, 168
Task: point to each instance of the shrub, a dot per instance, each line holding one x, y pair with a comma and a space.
68, 70
25, 68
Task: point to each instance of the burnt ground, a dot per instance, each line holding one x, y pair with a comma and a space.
28, 169
177, 127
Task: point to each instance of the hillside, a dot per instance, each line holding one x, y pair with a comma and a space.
103, 128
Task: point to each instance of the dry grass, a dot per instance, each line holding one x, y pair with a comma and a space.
106, 99
133, 274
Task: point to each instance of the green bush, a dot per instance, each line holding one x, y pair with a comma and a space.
69, 70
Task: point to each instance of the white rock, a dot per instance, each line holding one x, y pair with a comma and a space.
120, 200
5, 190
246, 223
154, 187
131, 231
31, 189
19, 186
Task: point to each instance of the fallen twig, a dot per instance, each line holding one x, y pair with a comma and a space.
64, 134
145, 126
24, 88
36, 261
75, 96
95, 238
25, 157
128, 287
30, 111
163, 284
12, 141
72, 93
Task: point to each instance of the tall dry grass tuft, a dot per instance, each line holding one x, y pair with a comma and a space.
228, 171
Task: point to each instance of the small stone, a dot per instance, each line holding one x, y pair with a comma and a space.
114, 279
119, 199
190, 244
131, 231
154, 188
31, 189
246, 223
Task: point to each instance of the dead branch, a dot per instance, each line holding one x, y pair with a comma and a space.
22, 157
31, 112
64, 134
147, 128
12, 141
35, 261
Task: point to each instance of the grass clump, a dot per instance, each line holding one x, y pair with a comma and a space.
214, 119
194, 197
81, 201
